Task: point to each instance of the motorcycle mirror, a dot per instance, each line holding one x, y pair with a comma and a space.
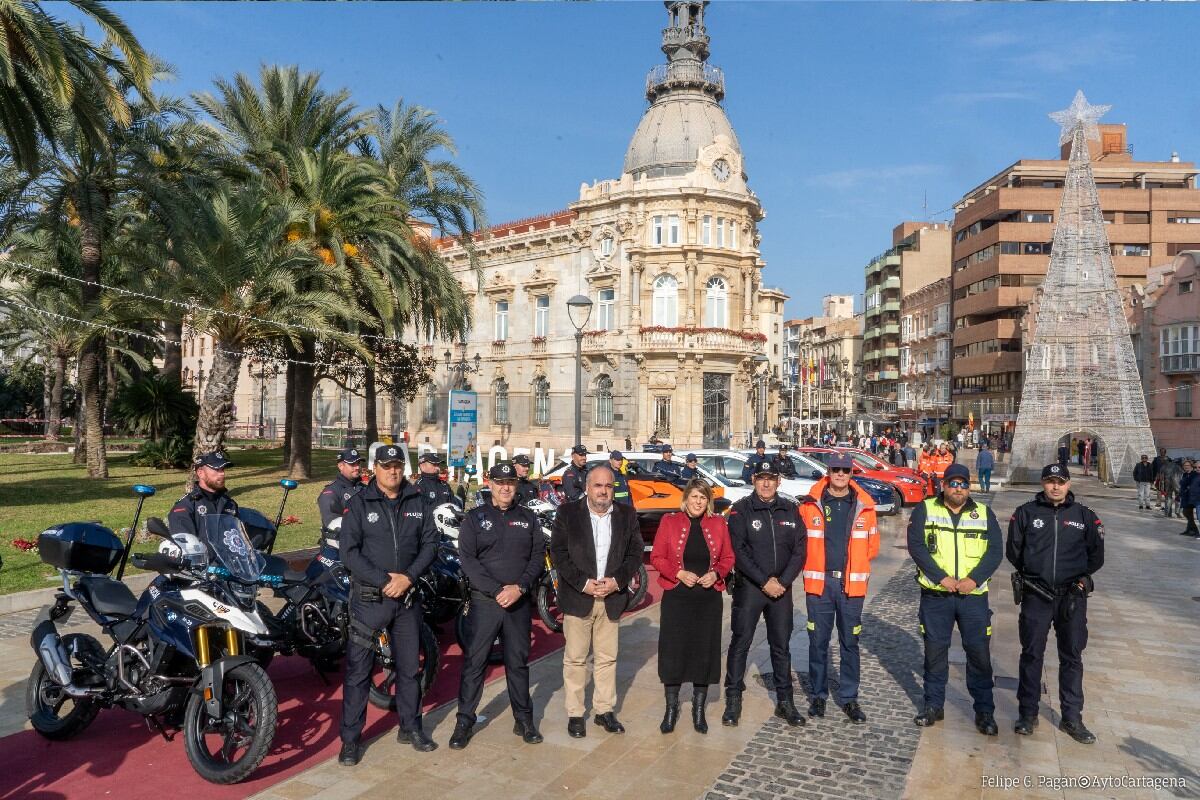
288, 484
157, 527
143, 489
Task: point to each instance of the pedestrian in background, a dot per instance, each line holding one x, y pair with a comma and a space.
693, 556
1143, 474
984, 462
1189, 496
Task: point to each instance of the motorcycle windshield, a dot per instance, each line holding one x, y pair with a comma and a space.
227, 541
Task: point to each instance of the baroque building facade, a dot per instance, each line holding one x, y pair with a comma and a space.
682, 335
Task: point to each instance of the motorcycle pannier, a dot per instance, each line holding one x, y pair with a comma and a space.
81, 546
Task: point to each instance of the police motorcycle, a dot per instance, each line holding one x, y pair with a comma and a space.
177, 654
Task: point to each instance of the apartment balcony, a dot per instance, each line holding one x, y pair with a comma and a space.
891, 305
870, 355
988, 364
1175, 365
874, 311
891, 282
891, 352
710, 340
887, 375
891, 328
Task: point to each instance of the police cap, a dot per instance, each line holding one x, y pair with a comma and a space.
502, 471
349, 456
430, 458
958, 471
840, 460
522, 460
1055, 472
666, 448
215, 459
388, 454
616, 455
766, 468
760, 445
690, 458
579, 450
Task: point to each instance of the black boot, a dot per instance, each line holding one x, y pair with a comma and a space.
785, 709
699, 698
671, 715
733, 708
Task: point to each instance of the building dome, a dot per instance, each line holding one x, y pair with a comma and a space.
672, 131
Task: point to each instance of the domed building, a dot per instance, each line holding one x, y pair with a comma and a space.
682, 339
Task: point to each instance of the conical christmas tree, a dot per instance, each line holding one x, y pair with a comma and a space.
1080, 373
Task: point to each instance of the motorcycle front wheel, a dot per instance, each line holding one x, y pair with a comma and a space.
382, 692
547, 605
638, 588
52, 712
228, 749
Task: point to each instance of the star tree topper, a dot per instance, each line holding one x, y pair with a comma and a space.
1079, 114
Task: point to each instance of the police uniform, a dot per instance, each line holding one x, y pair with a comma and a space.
966, 544
667, 467
336, 494
498, 547
785, 465
688, 472
188, 512
768, 542
1055, 548
574, 479
381, 536
433, 489
621, 493
751, 465
526, 489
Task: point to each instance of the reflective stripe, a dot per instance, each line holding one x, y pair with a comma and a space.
989, 630
814, 574
816, 534
859, 576
858, 534
812, 626
922, 629
856, 630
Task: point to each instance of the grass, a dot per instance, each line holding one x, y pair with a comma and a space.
39, 491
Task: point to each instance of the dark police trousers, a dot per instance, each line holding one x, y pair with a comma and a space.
403, 626
749, 603
485, 620
833, 605
939, 611
1071, 631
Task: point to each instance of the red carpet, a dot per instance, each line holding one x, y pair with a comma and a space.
119, 757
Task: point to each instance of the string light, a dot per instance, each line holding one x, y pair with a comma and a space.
193, 306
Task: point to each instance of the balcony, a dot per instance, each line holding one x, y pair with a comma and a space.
891, 282
599, 341
539, 345
499, 348
870, 355
685, 73
891, 305
891, 328
887, 375
891, 352
713, 340
677, 37
1174, 365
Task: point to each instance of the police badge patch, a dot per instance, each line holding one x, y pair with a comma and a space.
1037, 523
756, 524
201, 510
486, 524
372, 517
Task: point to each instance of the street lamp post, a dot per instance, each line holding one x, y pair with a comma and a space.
761, 362
461, 368
579, 310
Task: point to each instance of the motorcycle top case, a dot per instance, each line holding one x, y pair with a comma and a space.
82, 547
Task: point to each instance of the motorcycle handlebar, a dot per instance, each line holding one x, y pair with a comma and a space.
158, 562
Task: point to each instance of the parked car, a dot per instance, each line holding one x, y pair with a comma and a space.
907, 483
729, 464
886, 498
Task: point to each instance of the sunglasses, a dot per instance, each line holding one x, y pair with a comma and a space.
840, 469
956, 484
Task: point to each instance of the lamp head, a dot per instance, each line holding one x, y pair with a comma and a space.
579, 310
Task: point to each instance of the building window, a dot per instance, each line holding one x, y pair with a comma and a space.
662, 416
1038, 216
720, 231
501, 321
541, 316
666, 301
1179, 220
1183, 400
1131, 249
1179, 348
500, 401
541, 401
672, 229
604, 402
1185, 287
733, 234
430, 415
606, 310
606, 246
1141, 218
716, 303
656, 231
706, 230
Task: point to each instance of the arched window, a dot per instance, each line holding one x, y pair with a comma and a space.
604, 402
716, 303
666, 301
500, 401
430, 415
541, 401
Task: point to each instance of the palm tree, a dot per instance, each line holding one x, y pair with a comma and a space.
48, 68
37, 317
244, 264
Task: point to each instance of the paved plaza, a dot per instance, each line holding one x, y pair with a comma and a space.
1141, 687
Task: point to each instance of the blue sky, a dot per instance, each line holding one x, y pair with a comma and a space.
850, 115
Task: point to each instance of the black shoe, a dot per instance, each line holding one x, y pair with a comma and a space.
699, 698
733, 709
609, 722
670, 717
1076, 731
528, 732
855, 712
461, 736
1025, 726
985, 723
351, 754
786, 710
817, 707
576, 727
929, 716
419, 741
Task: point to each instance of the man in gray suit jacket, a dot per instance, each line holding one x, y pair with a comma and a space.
596, 547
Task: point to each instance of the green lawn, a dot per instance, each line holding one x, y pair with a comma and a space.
39, 491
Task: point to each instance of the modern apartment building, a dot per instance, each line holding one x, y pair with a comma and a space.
1003, 230
923, 388
919, 255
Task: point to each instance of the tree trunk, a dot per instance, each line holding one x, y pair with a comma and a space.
216, 410
300, 457
54, 407
91, 357
47, 387
370, 403
80, 456
289, 399
173, 353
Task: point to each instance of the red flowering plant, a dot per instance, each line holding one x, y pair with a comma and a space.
23, 544
290, 519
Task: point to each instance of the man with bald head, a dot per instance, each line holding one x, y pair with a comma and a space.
597, 549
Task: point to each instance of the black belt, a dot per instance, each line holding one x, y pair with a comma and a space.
834, 573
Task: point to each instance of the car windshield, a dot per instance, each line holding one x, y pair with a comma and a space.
227, 541
864, 460
808, 464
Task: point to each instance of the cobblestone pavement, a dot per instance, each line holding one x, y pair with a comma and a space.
20, 624
831, 754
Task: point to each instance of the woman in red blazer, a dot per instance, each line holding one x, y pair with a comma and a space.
693, 556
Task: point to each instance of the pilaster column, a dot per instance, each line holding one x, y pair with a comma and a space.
690, 317
635, 293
